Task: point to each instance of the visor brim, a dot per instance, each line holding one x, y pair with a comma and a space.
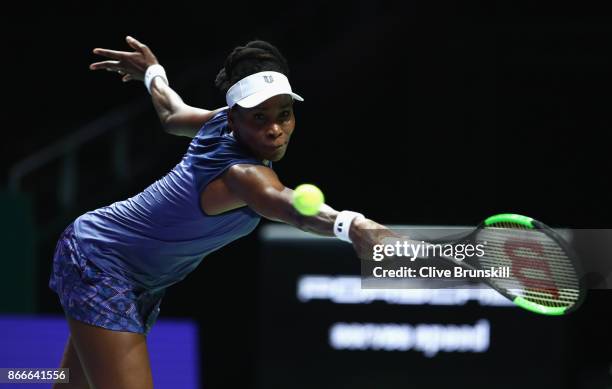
258, 98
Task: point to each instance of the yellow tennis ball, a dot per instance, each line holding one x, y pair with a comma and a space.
307, 199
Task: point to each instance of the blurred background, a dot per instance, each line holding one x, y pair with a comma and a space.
420, 113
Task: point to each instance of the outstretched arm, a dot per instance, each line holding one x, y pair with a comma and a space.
175, 116
260, 188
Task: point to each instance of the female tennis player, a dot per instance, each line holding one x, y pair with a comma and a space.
112, 265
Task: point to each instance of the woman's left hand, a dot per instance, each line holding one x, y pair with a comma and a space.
130, 65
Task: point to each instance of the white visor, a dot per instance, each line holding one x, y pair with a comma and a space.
257, 88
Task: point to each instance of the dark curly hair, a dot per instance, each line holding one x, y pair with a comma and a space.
256, 56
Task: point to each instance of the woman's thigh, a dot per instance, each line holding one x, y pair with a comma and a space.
70, 361
112, 359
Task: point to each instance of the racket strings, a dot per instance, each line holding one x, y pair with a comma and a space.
540, 270
555, 255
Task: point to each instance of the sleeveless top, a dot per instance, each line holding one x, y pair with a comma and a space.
157, 237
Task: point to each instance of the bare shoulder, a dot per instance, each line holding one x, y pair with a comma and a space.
249, 176
249, 170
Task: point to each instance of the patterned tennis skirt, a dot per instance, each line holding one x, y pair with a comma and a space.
89, 295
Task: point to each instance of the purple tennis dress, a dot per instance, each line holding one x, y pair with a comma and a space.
112, 265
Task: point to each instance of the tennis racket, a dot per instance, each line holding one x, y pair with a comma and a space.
544, 272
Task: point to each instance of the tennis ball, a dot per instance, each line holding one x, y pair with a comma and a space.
307, 199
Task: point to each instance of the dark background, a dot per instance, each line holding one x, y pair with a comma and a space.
452, 110
415, 113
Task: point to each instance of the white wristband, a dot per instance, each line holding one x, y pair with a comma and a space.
342, 225
154, 71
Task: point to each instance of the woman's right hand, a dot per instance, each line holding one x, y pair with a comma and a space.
365, 234
131, 65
